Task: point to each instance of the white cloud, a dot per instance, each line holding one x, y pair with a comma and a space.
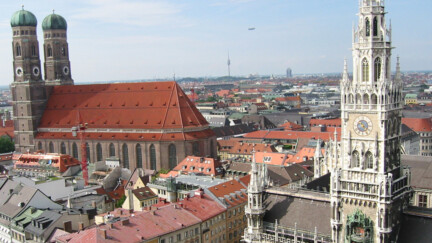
137, 13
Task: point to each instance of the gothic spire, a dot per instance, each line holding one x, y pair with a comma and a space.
345, 76
398, 73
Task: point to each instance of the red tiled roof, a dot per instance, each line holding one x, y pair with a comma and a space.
203, 207
247, 148
272, 158
288, 98
326, 122
245, 180
7, 131
156, 105
130, 136
223, 93
306, 153
291, 135
61, 162
226, 191
6, 156
141, 227
197, 165
291, 126
418, 124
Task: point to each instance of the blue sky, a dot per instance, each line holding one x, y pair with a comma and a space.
134, 39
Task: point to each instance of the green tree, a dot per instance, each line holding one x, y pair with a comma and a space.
120, 202
6, 145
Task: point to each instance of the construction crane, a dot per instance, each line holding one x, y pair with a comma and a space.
79, 130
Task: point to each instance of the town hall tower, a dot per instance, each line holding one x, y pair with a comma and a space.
369, 187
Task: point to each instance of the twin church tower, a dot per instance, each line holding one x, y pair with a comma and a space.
30, 90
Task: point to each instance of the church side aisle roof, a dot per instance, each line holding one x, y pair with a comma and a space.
153, 105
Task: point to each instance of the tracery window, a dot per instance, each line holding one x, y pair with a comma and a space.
51, 147
125, 156
365, 70
111, 150
98, 152
375, 27
75, 150
62, 148
369, 160
367, 27
152, 157
88, 151
172, 156
377, 69
195, 148
138, 152
355, 159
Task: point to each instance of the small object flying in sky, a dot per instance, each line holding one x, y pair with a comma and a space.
251, 28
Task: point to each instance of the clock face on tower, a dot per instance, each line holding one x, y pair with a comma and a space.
363, 125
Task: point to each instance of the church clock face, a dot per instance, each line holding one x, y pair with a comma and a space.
19, 71
65, 70
363, 125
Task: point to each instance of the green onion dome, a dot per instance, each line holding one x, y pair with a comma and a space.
23, 18
54, 22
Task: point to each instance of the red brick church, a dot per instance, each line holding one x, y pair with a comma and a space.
146, 125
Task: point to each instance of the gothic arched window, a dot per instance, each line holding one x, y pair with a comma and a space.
75, 151
365, 70
195, 148
33, 50
366, 99
374, 99
125, 156
40, 146
49, 51
152, 157
98, 152
172, 156
377, 69
111, 150
369, 160
138, 153
375, 27
18, 50
358, 99
355, 159
367, 27
88, 151
51, 147
62, 148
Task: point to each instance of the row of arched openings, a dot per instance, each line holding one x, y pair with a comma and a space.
366, 69
374, 29
50, 51
356, 163
18, 51
172, 153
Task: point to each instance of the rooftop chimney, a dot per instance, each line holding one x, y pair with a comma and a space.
125, 222
80, 226
102, 233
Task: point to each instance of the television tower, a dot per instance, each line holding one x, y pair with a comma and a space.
229, 64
